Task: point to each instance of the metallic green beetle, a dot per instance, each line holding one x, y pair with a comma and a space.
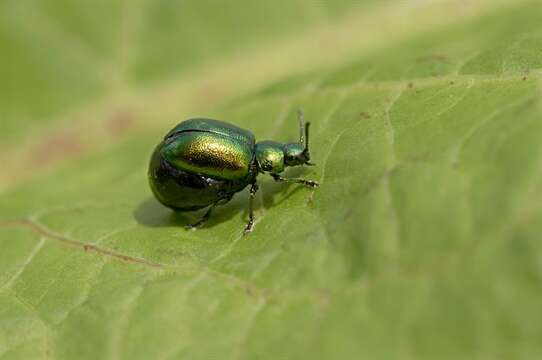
204, 162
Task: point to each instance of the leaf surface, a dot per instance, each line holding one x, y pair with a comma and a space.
421, 242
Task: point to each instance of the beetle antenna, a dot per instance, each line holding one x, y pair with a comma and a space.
304, 134
306, 144
302, 131
306, 151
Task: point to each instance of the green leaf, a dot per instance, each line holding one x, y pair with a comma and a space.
422, 241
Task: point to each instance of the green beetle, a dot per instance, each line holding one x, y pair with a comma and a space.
204, 162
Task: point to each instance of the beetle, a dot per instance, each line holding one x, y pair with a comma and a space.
203, 162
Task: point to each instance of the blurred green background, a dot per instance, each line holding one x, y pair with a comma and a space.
422, 241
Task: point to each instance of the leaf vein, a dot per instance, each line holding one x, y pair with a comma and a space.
49, 234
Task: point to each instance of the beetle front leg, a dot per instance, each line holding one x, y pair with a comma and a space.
250, 225
308, 183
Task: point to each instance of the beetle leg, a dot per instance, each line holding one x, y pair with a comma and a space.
308, 183
250, 225
203, 219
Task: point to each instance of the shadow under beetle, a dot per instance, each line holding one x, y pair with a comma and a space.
204, 162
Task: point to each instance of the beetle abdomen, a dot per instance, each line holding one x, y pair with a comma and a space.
184, 191
209, 154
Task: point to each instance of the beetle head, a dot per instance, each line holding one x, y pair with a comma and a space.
273, 156
298, 153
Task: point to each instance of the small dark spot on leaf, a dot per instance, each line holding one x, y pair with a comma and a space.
432, 58
56, 147
524, 78
410, 85
250, 291
120, 123
365, 115
324, 296
452, 82
348, 214
210, 92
